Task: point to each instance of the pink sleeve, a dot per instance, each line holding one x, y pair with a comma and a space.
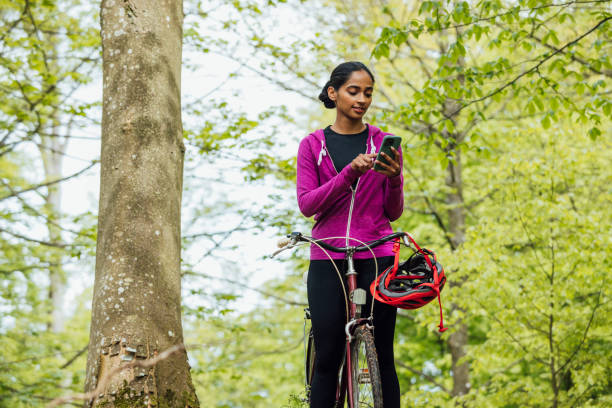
312, 197
394, 194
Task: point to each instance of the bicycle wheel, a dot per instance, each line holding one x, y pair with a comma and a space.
367, 386
309, 362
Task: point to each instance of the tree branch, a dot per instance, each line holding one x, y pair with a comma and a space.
584, 335
46, 243
514, 339
241, 284
545, 57
435, 213
36, 187
422, 374
73, 359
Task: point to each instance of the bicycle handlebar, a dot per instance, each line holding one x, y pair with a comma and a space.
298, 237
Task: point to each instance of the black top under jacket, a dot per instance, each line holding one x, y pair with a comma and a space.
344, 148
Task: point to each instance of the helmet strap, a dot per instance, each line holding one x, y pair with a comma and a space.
396, 251
441, 325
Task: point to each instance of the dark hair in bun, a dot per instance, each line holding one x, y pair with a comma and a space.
339, 76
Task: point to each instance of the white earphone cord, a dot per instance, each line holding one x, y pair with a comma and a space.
338, 271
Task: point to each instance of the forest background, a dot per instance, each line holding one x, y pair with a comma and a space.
504, 110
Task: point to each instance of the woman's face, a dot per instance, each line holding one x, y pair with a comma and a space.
355, 96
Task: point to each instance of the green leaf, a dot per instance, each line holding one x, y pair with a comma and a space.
594, 133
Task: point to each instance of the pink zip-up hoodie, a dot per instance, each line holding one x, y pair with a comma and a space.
339, 211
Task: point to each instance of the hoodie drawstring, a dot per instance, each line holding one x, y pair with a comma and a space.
321, 153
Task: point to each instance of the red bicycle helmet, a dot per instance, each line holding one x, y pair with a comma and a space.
413, 283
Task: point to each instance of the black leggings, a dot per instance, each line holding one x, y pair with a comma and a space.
327, 311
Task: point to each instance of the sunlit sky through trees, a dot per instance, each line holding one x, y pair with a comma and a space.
212, 77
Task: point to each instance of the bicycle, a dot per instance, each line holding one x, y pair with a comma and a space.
359, 381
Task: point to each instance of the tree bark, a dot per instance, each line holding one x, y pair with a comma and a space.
457, 341
136, 303
51, 150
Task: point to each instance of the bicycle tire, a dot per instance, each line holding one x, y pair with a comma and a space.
309, 363
366, 382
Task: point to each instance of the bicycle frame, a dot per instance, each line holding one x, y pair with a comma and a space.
356, 298
354, 316
354, 320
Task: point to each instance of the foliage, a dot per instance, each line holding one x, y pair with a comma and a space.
537, 271
248, 359
47, 52
516, 94
38, 365
556, 69
468, 107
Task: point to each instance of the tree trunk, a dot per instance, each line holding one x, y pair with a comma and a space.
458, 339
136, 303
51, 150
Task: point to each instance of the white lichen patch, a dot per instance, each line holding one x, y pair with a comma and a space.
121, 300
157, 232
117, 306
170, 333
120, 290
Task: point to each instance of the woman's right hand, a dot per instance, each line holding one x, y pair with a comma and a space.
363, 162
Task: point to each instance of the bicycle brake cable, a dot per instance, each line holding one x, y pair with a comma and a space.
340, 275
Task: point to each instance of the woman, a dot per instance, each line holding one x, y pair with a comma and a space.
337, 184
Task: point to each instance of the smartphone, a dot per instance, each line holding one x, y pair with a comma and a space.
388, 142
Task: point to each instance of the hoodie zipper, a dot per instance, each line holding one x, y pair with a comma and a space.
348, 224
353, 190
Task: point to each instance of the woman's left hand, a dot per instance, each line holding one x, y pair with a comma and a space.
394, 168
